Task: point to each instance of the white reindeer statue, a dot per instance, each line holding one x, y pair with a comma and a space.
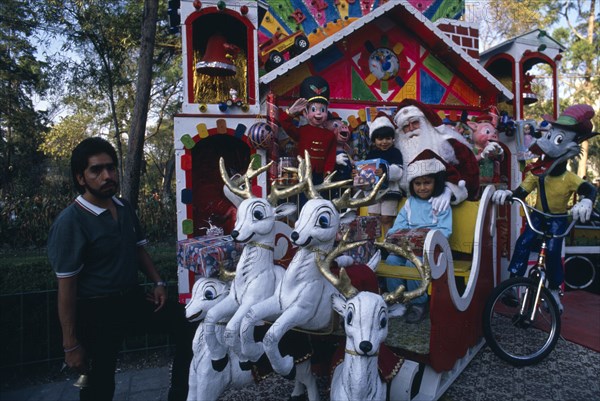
256, 275
303, 299
204, 383
365, 316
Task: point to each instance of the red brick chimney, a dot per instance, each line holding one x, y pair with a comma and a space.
464, 34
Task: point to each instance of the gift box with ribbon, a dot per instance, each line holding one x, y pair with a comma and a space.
361, 228
204, 254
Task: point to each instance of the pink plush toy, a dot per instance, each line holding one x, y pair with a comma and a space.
485, 138
487, 150
343, 158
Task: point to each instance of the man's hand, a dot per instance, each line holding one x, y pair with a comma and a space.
75, 358
442, 202
298, 107
582, 210
501, 196
158, 296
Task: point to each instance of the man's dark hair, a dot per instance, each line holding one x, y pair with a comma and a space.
87, 148
439, 182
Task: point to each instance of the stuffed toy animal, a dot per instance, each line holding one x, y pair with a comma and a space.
343, 158
555, 186
487, 150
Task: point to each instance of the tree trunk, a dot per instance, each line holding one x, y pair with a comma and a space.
137, 130
168, 176
582, 170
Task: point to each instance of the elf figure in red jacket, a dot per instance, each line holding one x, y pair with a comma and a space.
313, 136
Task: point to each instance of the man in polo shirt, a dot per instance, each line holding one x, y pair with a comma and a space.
96, 247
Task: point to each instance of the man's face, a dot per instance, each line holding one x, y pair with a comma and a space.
316, 114
411, 127
100, 177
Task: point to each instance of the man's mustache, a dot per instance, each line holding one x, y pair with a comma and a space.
109, 183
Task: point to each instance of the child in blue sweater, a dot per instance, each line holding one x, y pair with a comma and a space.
426, 175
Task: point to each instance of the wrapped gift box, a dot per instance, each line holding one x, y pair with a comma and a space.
362, 253
365, 177
415, 238
362, 228
202, 255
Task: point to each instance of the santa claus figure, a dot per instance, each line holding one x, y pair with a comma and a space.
420, 128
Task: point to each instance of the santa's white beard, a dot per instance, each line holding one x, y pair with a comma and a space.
425, 137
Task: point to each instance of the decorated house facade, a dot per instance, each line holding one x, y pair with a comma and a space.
244, 60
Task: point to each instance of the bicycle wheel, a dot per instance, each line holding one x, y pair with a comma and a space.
512, 336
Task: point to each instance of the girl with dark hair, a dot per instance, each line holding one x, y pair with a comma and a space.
426, 175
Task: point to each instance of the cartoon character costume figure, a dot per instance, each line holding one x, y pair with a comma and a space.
343, 151
314, 136
555, 186
420, 128
488, 151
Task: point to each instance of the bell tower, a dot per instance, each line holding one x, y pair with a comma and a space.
219, 48
220, 104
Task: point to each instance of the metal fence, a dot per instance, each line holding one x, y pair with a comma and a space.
30, 332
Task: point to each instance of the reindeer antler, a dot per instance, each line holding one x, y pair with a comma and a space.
346, 200
289, 191
312, 192
225, 275
400, 295
342, 283
245, 193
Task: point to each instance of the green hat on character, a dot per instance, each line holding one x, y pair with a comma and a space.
577, 118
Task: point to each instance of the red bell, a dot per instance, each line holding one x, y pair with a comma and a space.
218, 57
529, 96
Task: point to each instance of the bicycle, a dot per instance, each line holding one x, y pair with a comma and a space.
521, 320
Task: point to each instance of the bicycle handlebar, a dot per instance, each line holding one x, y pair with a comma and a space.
526, 208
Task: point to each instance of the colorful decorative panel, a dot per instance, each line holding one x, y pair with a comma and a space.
383, 63
319, 19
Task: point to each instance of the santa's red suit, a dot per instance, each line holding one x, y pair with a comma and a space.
447, 143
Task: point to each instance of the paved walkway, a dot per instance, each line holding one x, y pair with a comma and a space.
570, 373
131, 385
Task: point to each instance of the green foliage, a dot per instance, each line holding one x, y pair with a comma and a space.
22, 77
505, 19
25, 221
158, 217
95, 82
64, 136
28, 270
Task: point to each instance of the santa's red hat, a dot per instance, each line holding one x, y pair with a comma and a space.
413, 108
382, 124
